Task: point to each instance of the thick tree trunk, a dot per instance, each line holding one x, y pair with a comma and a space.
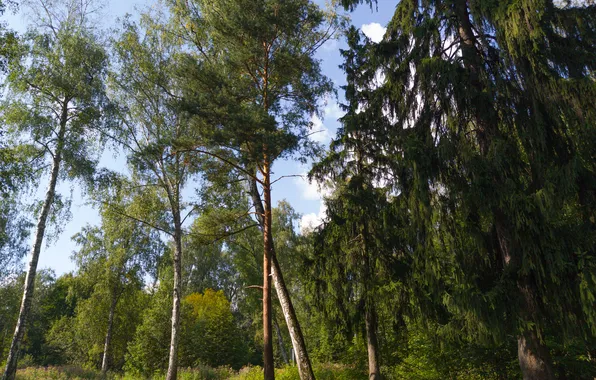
11, 362
108, 340
268, 365
280, 342
173, 359
372, 343
302, 358
534, 357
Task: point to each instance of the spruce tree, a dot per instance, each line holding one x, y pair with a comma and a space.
358, 249
486, 121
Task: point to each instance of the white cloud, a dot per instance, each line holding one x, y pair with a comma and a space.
311, 221
309, 191
312, 191
333, 111
320, 133
330, 45
374, 31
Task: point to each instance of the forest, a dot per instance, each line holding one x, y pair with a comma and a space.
457, 238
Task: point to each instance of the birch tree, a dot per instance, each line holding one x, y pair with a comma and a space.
56, 101
115, 257
152, 123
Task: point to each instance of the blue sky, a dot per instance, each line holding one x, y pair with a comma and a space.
304, 197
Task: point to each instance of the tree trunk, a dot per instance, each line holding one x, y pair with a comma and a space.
108, 340
11, 362
372, 343
268, 366
2, 344
280, 342
534, 357
173, 359
302, 358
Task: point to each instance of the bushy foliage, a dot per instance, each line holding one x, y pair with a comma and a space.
80, 338
209, 333
148, 351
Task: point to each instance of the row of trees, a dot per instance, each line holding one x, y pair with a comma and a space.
114, 312
210, 98
463, 187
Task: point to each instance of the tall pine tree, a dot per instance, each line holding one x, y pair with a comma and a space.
253, 75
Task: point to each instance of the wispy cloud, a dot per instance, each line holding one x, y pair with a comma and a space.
320, 133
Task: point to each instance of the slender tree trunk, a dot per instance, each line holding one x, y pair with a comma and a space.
173, 359
370, 312
534, 357
280, 342
108, 340
268, 366
372, 343
2, 344
302, 358
11, 362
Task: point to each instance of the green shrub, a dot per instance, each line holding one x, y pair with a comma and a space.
287, 373
249, 373
57, 373
322, 372
205, 373
329, 371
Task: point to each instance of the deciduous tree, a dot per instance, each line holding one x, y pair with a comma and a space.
152, 123
255, 87
56, 101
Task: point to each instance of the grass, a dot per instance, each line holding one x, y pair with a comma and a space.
57, 373
322, 372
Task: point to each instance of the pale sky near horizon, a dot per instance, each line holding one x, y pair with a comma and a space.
305, 198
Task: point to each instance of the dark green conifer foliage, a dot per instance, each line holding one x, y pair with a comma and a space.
358, 250
488, 129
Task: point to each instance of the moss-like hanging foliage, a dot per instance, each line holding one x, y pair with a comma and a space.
485, 122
